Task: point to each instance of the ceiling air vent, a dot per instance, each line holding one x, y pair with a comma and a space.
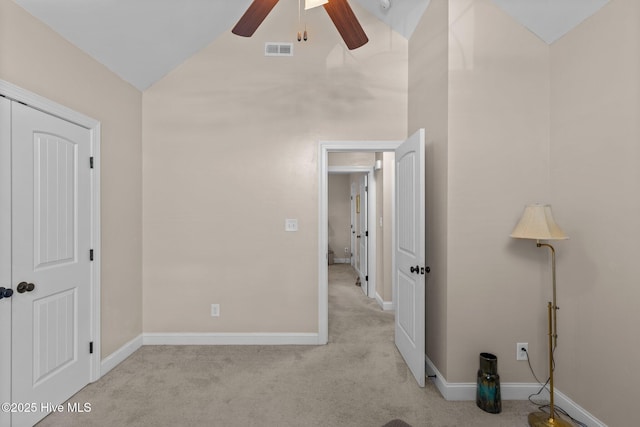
278, 49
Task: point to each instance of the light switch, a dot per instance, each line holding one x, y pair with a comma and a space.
290, 225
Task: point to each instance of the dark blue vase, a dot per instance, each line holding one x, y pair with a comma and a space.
488, 390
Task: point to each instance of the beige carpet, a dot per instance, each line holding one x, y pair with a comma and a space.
358, 379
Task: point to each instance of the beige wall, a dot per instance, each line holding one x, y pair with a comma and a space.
339, 210
498, 161
385, 183
482, 170
351, 159
230, 151
428, 102
528, 122
595, 182
35, 58
379, 264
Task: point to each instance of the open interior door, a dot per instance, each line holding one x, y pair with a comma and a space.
363, 235
409, 250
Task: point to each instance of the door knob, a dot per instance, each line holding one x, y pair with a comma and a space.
415, 269
25, 287
5, 292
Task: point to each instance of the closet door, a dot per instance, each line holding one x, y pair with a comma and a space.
51, 270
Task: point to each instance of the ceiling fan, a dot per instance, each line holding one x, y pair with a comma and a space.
339, 11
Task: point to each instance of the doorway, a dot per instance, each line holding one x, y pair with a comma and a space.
408, 256
343, 147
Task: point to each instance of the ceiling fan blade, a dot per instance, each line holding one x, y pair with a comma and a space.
253, 17
346, 22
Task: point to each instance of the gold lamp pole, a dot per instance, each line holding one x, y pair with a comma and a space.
537, 223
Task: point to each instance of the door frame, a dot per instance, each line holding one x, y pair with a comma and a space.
324, 148
15, 93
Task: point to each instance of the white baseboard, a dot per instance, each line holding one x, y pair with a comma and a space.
385, 305
231, 339
510, 391
118, 356
575, 410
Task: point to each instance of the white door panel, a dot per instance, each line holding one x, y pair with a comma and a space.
51, 211
410, 254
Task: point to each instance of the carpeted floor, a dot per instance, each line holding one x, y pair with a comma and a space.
358, 379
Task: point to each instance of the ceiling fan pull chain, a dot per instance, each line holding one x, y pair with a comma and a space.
299, 35
339, 11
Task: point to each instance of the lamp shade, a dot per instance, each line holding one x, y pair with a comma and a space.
537, 223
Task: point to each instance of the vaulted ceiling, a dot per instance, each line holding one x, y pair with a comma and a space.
143, 40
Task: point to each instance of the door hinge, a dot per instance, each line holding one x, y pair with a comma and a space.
366, 233
91, 347
366, 278
91, 162
90, 254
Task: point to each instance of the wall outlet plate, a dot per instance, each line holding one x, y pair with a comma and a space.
520, 353
215, 310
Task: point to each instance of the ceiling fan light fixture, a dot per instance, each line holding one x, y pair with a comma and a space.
339, 11
310, 4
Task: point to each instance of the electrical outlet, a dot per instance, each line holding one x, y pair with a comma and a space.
215, 310
520, 353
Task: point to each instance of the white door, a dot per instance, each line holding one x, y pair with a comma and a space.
51, 267
410, 254
363, 233
352, 249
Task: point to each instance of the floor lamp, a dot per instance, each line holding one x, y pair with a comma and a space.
537, 224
